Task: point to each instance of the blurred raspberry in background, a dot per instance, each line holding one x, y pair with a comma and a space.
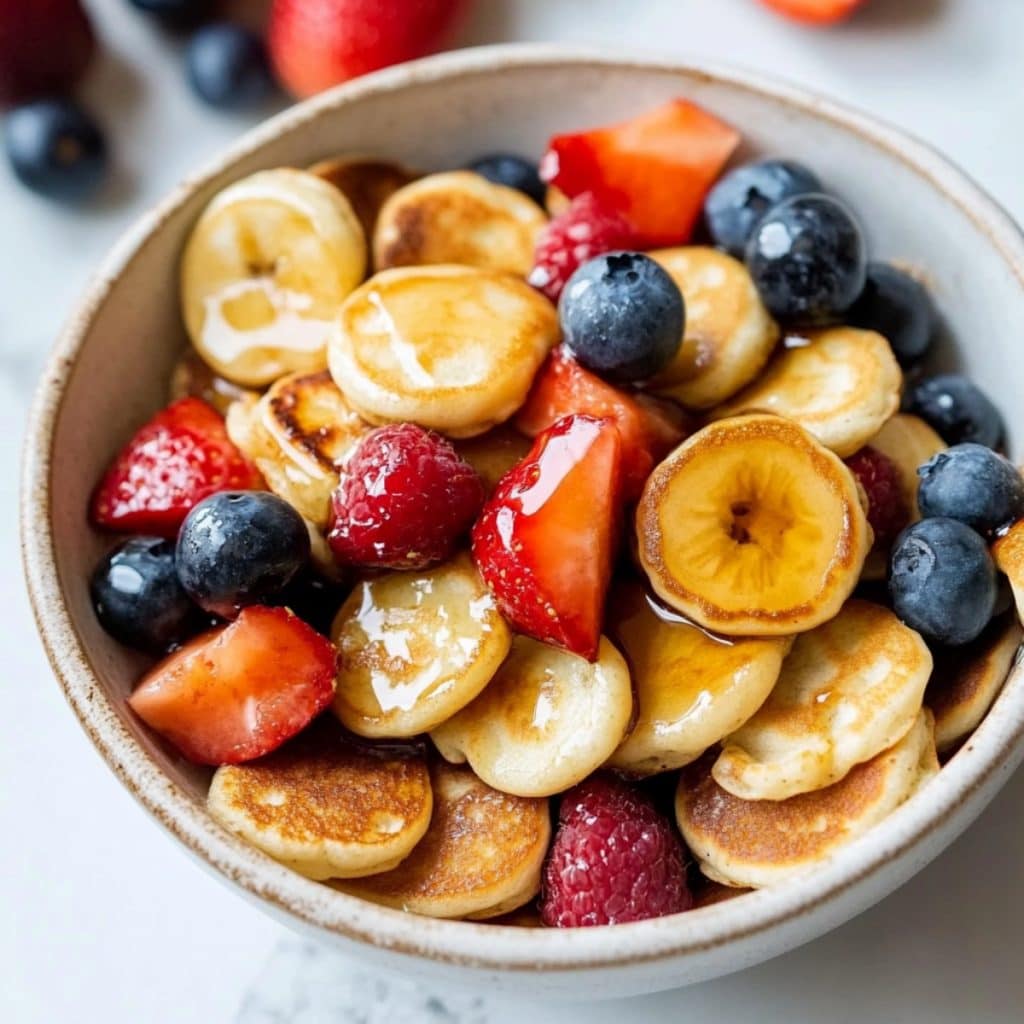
815, 12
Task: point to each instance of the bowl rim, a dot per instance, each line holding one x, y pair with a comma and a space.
975, 768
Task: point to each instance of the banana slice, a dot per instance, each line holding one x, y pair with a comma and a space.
458, 217
481, 856
545, 721
265, 271
848, 690
416, 648
366, 183
691, 688
759, 843
493, 454
298, 434
968, 679
840, 383
729, 334
326, 808
752, 528
1008, 552
191, 377
452, 348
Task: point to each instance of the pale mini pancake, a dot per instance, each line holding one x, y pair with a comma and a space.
692, 688
458, 217
546, 721
325, 807
848, 690
448, 347
415, 648
840, 383
968, 679
481, 856
1008, 551
757, 843
367, 184
729, 334
493, 454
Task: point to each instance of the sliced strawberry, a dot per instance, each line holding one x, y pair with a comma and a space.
545, 540
239, 691
650, 429
656, 169
182, 455
815, 12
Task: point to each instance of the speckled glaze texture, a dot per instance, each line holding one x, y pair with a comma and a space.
109, 371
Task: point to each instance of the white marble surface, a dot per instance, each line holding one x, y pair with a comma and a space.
102, 919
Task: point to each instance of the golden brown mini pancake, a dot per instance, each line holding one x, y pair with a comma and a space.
1008, 551
493, 454
366, 183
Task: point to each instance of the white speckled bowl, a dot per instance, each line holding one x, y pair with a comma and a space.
109, 372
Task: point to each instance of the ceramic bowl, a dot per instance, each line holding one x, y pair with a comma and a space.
109, 372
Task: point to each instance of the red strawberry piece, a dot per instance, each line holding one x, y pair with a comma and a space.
655, 169
240, 691
315, 44
586, 229
887, 506
815, 12
614, 859
545, 540
45, 47
182, 455
649, 429
405, 499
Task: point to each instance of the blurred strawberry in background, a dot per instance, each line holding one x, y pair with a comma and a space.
815, 12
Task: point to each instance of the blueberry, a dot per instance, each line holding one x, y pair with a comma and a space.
238, 548
314, 599
735, 206
55, 148
138, 598
898, 307
807, 258
622, 316
228, 67
956, 409
176, 13
942, 581
971, 483
513, 171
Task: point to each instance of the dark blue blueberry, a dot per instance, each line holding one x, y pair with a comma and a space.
513, 171
971, 483
55, 148
228, 67
956, 409
942, 581
314, 599
808, 259
138, 598
239, 548
898, 307
622, 316
735, 206
176, 13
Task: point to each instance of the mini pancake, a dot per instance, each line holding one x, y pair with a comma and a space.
191, 377
546, 721
692, 688
481, 856
493, 454
758, 843
415, 648
1008, 552
708, 893
326, 808
848, 690
968, 679
366, 183
458, 217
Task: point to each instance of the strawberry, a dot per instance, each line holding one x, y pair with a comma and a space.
815, 12
238, 692
649, 429
656, 169
545, 540
182, 455
315, 44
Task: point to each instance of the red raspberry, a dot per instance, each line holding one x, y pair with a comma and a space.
405, 499
614, 859
887, 506
585, 230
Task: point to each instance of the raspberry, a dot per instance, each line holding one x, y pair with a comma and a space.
404, 500
887, 507
585, 230
614, 859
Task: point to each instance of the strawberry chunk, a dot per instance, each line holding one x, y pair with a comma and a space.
815, 12
240, 691
182, 455
545, 540
655, 169
649, 429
